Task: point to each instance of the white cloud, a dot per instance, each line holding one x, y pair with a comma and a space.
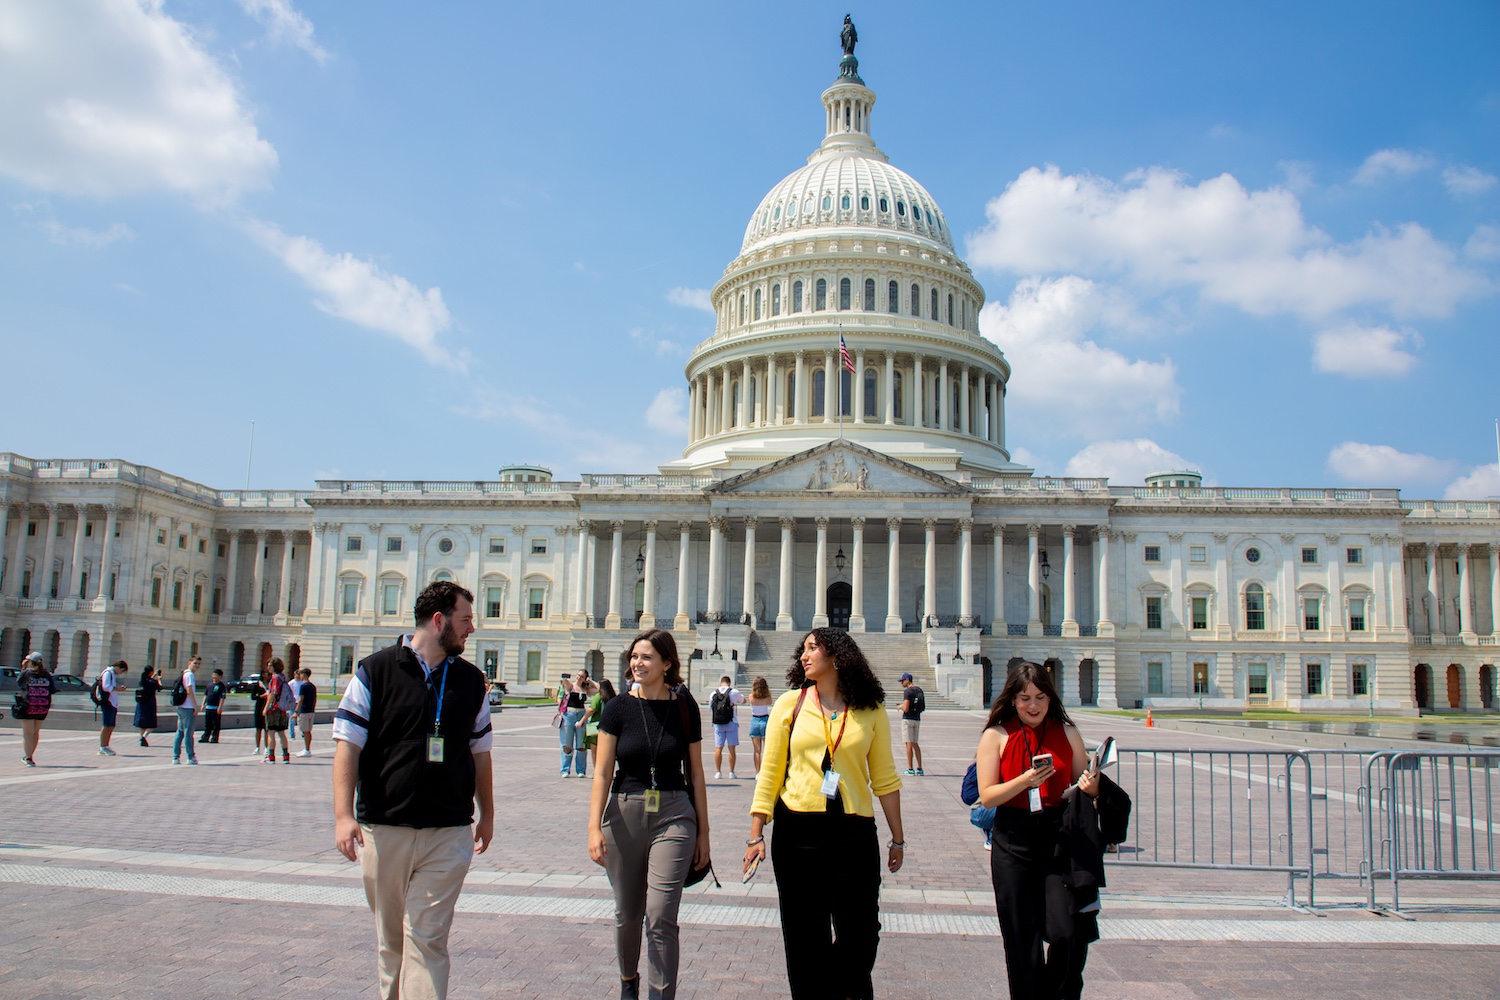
285, 24
80, 236
1484, 244
668, 412
1465, 180
660, 346
1482, 483
1382, 465
691, 298
1125, 462
104, 97
1364, 352
1387, 164
362, 293
1248, 249
1041, 329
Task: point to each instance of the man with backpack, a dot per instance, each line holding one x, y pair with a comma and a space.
913, 704
106, 694
185, 700
726, 726
280, 704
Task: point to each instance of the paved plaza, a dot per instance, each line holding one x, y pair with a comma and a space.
131, 877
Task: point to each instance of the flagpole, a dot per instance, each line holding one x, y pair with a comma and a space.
839, 386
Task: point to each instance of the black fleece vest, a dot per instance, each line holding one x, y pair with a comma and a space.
398, 785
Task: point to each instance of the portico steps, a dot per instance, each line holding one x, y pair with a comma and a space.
770, 653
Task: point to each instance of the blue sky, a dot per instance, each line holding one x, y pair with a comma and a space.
424, 241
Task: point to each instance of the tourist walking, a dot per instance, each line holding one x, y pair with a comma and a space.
760, 714
307, 710
109, 708
213, 707
279, 706
726, 724
35, 687
828, 757
913, 704
648, 814
600, 694
570, 732
259, 689
146, 716
412, 754
185, 700
1028, 755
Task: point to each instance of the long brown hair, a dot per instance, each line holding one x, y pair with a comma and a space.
857, 681
1003, 709
759, 688
666, 647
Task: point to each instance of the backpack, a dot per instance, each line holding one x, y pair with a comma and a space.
919, 702
720, 708
179, 692
287, 702
97, 694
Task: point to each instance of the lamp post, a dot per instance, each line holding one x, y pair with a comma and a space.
958, 656
716, 655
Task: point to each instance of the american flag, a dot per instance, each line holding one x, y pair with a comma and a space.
844, 357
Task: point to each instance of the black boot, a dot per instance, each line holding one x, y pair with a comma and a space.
630, 989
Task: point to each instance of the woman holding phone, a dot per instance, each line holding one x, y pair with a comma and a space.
1029, 754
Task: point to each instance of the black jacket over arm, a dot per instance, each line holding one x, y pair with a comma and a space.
1087, 826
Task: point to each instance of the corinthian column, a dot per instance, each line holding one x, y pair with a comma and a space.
820, 576
684, 562
18, 558
784, 622
893, 574
648, 588
747, 594
929, 575
1070, 606
857, 582
1034, 580
997, 616
612, 618
965, 571
890, 388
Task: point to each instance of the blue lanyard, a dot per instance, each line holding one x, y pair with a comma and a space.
438, 716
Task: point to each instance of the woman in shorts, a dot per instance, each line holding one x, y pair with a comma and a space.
35, 688
760, 714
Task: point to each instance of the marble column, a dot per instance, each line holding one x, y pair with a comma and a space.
715, 568
1101, 538
1034, 579
258, 573
75, 570
857, 575
744, 414
997, 611
41, 581
929, 573
963, 399
831, 382
284, 591
940, 401
616, 551
858, 387
106, 558
693, 409
683, 619
648, 586
1070, 593
784, 621
590, 576
1465, 593
893, 575
966, 572
726, 400
708, 403
1494, 550
820, 577
580, 609
800, 394
747, 590
316, 570
231, 575
773, 392
918, 407
1434, 602
1397, 587
890, 387
18, 556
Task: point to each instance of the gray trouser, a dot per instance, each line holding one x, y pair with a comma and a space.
647, 858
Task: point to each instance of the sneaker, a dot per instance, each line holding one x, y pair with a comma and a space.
732, 777
257, 752
909, 771
106, 752
582, 774
29, 762
270, 758
921, 773
143, 742
177, 760
718, 775
192, 760
286, 757
304, 753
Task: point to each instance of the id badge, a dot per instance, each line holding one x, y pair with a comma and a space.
1035, 796
435, 749
653, 800
830, 784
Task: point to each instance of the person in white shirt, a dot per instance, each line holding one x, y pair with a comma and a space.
186, 712
109, 683
726, 726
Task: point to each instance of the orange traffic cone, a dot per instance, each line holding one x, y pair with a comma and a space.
1149, 723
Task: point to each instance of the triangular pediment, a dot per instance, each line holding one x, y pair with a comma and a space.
839, 467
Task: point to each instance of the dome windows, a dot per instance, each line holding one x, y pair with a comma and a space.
757, 305
885, 206
916, 300
950, 307
901, 209
791, 210
864, 203
776, 300
776, 214
893, 296
827, 202
820, 296
844, 202
844, 293
869, 295
796, 296
916, 212
934, 311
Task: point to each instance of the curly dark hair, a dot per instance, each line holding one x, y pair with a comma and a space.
1003, 708
857, 682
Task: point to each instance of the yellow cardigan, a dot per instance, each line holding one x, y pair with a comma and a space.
863, 760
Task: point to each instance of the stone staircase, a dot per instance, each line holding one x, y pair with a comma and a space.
769, 654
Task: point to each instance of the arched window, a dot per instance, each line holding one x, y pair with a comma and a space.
791, 395
734, 404
844, 204
934, 305
757, 306
843, 293
796, 296
846, 392
1255, 608
885, 206
869, 295
819, 392
820, 296
950, 307
893, 295
953, 395
872, 384
900, 407
916, 300
742, 308
827, 203
864, 203
775, 300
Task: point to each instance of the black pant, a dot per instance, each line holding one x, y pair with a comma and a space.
1034, 903
828, 878
211, 723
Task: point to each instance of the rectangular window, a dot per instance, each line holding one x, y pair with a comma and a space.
346, 659
393, 543
197, 598
83, 586
390, 599
113, 578
88, 529
1309, 555
1356, 614
26, 583
151, 652
1359, 679
533, 664
1311, 617
354, 543
31, 529
156, 592
161, 536
491, 663
59, 529
221, 550
492, 602
1153, 553
534, 603
1198, 553
202, 546
1153, 612
539, 546
1200, 613
497, 546
1200, 678
172, 655
1153, 678
193, 650
176, 595
1258, 681
55, 580
351, 599
1354, 557
1314, 678
820, 295
217, 600
182, 541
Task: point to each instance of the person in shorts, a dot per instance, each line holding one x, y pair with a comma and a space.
307, 707
726, 724
258, 690
913, 704
109, 683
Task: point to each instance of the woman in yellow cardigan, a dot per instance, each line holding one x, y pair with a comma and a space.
827, 758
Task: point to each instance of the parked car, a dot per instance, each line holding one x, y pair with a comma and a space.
246, 685
498, 690
66, 683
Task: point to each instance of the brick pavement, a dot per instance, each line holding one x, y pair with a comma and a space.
187, 835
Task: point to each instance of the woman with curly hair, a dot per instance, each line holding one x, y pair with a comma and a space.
827, 758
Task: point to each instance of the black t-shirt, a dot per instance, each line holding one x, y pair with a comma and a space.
577, 700
913, 695
307, 697
638, 724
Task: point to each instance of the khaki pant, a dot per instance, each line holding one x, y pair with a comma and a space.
412, 881
647, 857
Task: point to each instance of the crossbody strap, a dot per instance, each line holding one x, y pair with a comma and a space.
796, 713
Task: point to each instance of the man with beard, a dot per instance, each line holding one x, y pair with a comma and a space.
412, 737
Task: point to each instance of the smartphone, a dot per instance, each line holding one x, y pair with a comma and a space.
1041, 760
750, 872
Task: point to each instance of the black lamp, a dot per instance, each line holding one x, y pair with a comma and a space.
1046, 566
839, 560
640, 562
958, 656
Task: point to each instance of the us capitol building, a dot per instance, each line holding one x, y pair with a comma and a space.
881, 500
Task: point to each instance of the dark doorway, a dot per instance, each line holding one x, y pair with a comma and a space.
1086, 693
1455, 686
1422, 686
236, 660
840, 604
293, 658
1487, 686
266, 653
989, 679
